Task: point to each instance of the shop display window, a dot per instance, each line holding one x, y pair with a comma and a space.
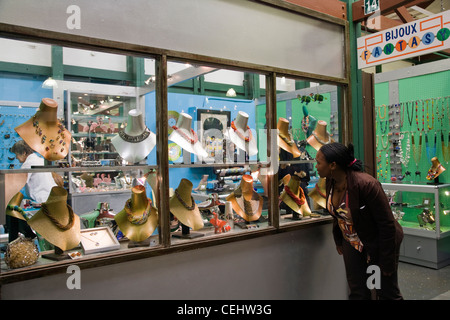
92, 121
307, 118
89, 128
216, 153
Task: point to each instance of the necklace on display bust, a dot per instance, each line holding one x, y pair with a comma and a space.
50, 143
320, 140
288, 140
191, 207
134, 139
138, 220
432, 173
298, 200
249, 207
192, 140
69, 225
240, 135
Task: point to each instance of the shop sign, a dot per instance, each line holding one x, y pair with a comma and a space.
412, 39
371, 6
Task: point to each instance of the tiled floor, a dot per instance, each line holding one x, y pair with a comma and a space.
421, 283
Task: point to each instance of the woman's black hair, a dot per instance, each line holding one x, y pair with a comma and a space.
21, 147
342, 155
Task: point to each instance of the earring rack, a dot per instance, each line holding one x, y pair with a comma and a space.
12, 114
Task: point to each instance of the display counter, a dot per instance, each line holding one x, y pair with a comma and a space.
422, 211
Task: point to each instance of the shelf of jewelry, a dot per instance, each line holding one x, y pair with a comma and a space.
435, 205
80, 169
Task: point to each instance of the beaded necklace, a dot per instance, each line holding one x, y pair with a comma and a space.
191, 207
305, 124
402, 113
321, 141
383, 130
431, 151
288, 140
432, 173
240, 135
51, 142
384, 146
318, 191
185, 136
137, 220
69, 225
417, 155
417, 116
410, 118
379, 111
444, 148
405, 154
432, 115
298, 200
16, 208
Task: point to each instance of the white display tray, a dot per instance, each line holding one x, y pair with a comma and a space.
100, 239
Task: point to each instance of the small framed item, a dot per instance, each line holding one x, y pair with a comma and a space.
96, 240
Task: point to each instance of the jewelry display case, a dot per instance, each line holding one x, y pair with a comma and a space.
170, 197
423, 210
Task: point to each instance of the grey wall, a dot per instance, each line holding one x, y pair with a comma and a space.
300, 264
213, 28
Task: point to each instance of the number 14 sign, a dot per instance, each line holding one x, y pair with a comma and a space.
371, 6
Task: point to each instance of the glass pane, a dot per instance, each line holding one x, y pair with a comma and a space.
78, 140
217, 143
307, 118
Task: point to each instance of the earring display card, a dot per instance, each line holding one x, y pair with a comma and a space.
96, 240
11, 117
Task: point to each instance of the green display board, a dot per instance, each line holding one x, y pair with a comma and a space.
412, 132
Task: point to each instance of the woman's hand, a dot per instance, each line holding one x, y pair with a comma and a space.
339, 250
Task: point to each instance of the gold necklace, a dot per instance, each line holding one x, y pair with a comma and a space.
379, 111
69, 225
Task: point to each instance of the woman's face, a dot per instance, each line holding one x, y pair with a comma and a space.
322, 166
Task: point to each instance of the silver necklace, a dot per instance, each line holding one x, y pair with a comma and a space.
321, 141
134, 139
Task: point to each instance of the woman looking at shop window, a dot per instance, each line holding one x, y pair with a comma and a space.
364, 228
